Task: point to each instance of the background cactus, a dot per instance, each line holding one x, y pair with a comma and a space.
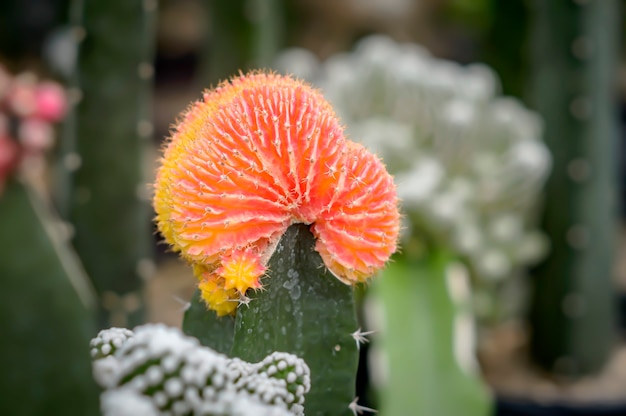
47, 301
574, 53
102, 187
244, 34
47, 306
436, 297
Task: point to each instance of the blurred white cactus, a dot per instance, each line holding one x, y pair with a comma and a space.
469, 164
156, 370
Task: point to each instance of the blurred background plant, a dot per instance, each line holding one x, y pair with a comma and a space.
196, 43
46, 298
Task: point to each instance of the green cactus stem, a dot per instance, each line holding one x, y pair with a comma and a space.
212, 331
306, 311
573, 315
46, 307
103, 189
424, 375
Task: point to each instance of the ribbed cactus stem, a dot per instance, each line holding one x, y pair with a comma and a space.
575, 50
211, 330
306, 311
244, 34
104, 150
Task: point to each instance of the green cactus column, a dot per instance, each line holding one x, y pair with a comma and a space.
46, 314
244, 34
105, 194
574, 57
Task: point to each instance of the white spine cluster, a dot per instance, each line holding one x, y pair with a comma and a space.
280, 378
469, 164
175, 375
108, 341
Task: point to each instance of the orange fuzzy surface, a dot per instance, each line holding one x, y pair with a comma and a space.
260, 153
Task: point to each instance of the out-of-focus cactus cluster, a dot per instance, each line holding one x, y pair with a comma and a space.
469, 164
28, 109
156, 370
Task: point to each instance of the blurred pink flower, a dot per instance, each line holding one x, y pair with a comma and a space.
28, 109
50, 101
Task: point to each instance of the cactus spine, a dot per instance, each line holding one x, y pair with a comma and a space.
105, 194
575, 45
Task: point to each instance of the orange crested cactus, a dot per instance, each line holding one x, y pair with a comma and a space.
257, 154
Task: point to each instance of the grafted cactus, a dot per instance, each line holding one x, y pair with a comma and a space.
158, 367
279, 215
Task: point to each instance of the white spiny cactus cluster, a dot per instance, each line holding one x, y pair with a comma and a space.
108, 341
159, 368
469, 164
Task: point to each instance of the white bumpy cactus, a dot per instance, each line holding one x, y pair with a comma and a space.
157, 370
469, 164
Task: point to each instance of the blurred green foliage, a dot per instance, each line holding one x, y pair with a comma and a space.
46, 314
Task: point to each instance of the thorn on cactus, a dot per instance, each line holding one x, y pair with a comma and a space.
361, 337
357, 409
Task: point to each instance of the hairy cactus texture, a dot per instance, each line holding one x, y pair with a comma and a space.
156, 367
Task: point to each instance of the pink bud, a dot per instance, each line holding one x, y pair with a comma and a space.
50, 101
35, 135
